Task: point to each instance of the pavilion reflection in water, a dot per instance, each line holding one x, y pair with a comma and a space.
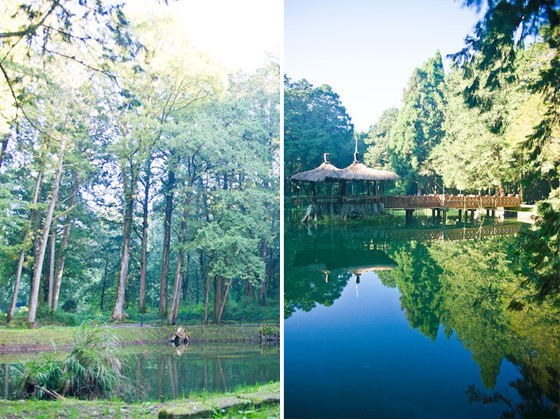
363, 250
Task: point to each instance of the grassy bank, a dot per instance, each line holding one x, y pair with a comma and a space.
222, 405
52, 338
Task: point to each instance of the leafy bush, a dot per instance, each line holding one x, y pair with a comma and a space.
92, 369
39, 379
248, 309
270, 331
70, 306
58, 318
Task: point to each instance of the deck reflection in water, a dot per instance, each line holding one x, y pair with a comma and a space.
430, 332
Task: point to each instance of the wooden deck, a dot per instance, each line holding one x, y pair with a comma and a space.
411, 202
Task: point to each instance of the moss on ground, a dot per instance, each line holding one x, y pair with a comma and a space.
73, 408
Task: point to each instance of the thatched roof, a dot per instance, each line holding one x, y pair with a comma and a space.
343, 259
319, 174
359, 171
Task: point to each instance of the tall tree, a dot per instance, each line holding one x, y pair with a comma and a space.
378, 138
491, 53
315, 122
418, 128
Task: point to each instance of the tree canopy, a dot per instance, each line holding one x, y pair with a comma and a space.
137, 175
315, 122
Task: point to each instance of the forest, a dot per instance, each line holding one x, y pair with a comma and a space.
490, 124
137, 175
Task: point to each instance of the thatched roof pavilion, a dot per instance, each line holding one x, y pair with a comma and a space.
360, 172
324, 173
366, 187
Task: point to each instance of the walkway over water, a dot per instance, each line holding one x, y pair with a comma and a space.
411, 202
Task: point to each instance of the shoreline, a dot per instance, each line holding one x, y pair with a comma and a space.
52, 339
259, 399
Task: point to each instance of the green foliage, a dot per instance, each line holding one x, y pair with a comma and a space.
315, 122
378, 138
270, 331
474, 154
418, 127
541, 247
169, 109
92, 369
490, 62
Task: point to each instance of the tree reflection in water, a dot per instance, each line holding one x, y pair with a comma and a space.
477, 289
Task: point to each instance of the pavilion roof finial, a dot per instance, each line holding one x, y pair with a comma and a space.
356, 154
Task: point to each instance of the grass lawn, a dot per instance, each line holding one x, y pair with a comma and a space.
73, 408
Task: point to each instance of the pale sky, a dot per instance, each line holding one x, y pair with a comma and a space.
366, 50
239, 34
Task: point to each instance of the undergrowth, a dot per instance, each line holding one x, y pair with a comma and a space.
92, 369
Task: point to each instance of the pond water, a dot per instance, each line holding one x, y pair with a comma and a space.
162, 372
414, 320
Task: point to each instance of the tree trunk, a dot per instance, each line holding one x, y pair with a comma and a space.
166, 244
103, 285
63, 244
3, 148
218, 290
269, 273
206, 297
44, 238
129, 195
32, 215
223, 303
263, 282
186, 280
6, 381
176, 299
51, 266
144, 262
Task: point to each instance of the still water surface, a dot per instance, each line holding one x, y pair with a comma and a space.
162, 372
413, 321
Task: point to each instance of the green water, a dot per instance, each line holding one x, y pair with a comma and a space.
162, 372
415, 320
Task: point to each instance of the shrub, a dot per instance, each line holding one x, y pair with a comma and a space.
70, 306
92, 369
269, 331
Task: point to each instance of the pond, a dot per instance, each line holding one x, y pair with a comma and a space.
414, 320
159, 372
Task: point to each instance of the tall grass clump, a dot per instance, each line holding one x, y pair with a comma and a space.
91, 370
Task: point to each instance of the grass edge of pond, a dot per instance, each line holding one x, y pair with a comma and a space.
116, 408
49, 339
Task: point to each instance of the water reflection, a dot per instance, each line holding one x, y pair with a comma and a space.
165, 372
168, 372
455, 282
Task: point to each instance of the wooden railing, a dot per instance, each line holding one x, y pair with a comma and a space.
415, 201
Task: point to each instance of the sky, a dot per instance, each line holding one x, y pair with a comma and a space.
239, 34
366, 50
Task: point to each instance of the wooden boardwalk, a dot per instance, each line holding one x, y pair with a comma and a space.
412, 202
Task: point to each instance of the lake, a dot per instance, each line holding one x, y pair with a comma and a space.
414, 320
159, 372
